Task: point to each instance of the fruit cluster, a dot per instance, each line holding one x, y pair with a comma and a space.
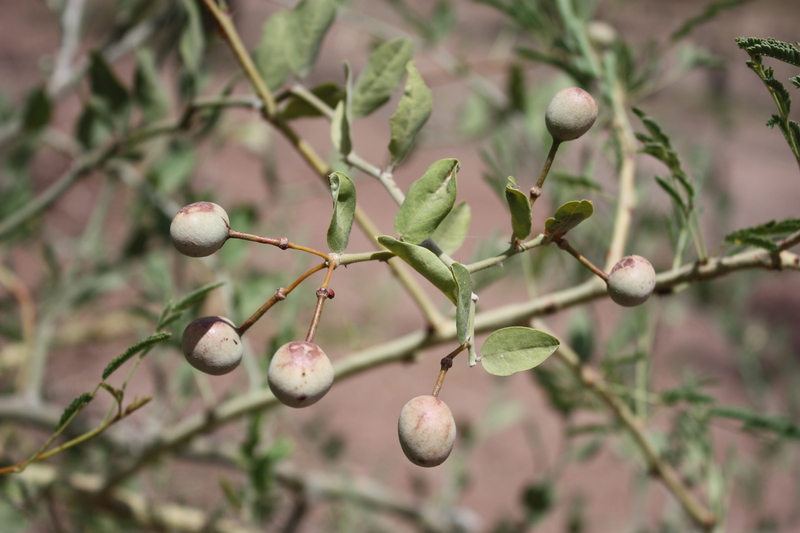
300, 373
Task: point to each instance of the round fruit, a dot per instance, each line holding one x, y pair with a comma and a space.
200, 229
427, 431
571, 113
632, 281
212, 345
300, 374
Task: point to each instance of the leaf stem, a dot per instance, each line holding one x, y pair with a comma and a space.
536, 191
564, 245
446, 364
283, 243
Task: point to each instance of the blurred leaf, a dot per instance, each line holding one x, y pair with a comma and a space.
425, 262
107, 88
429, 200
344, 207
73, 409
567, 217
754, 421
514, 349
173, 168
37, 111
92, 128
413, 111
381, 76
516, 89
133, 350
463, 302
758, 235
340, 125
538, 499
148, 91
710, 12
452, 231
330, 93
173, 311
311, 20
274, 51
520, 207
191, 46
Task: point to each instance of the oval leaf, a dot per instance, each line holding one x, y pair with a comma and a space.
452, 231
340, 125
463, 302
428, 202
37, 111
310, 22
425, 262
272, 56
515, 349
330, 93
148, 91
344, 209
381, 76
567, 217
520, 207
412, 112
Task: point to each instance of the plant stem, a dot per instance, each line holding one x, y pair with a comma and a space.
593, 381
323, 293
511, 252
283, 243
536, 192
564, 245
447, 364
280, 295
243, 56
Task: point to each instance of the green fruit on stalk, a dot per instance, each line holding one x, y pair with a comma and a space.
631, 281
571, 113
200, 229
300, 374
427, 431
212, 345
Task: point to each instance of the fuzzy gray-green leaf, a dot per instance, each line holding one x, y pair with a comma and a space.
310, 22
425, 262
148, 91
428, 202
412, 112
140, 346
452, 231
520, 207
192, 42
274, 50
381, 76
340, 125
567, 217
463, 301
344, 209
515, 349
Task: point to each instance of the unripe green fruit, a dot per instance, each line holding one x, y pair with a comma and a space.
300, 374
200, 229
571, 113
212, 345
632, 281
427, 431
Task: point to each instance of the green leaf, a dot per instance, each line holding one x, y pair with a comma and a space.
344, 209
173, 311
710, 12
93, 126
310, 22
173, 168
452, 231
274, 50
428, 202
77, 404
381, 76
757, 421
515, 349
758, 235
133, 350
770, 47
340, 125
412, 112
330, 93
425, 262
192, 42
520, 207
567, 217
667, 186
37, 111
463, 302
107, 88
148, 91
